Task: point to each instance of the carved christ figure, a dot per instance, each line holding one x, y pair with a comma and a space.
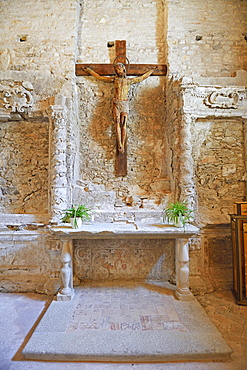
120, 100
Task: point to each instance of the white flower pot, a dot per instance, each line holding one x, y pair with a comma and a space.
178, 222
76, 222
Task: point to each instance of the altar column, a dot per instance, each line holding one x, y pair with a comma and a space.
182, 270
66, 293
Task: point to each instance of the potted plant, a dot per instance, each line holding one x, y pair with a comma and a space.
76, 214
178, 213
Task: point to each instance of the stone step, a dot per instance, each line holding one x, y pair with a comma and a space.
98, 326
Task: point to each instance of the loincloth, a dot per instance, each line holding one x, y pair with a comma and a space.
121, 105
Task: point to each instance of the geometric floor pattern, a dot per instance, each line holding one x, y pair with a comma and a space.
126, 309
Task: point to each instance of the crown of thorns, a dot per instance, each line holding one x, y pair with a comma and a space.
115, 63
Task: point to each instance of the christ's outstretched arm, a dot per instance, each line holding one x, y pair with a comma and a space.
99, 77
142, 77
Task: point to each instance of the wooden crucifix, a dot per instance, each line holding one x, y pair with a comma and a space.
117, 69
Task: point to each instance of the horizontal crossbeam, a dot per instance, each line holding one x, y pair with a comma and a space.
132, 69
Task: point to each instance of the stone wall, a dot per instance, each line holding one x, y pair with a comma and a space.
38, 50
58, 136
209, 166
30, 261
218, 150
24, 167
37, 58
38, 37
206, 38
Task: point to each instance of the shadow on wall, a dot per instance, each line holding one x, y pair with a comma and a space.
146, 142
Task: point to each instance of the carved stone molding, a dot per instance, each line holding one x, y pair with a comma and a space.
16, 97
218, 101
53, 245
195, 244
58, 173
186, 173
222, 98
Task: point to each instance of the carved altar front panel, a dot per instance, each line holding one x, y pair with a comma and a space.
123, 260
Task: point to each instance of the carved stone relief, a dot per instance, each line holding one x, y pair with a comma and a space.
222, 98
126, 259
200, 100
195, 244
16, 97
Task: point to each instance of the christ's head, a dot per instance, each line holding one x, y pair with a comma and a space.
120, 69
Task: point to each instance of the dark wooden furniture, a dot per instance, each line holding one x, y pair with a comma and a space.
239, 253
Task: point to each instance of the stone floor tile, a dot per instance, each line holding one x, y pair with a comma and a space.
149, 310
72, 326
88, 325
238, 318
146, 323
131, 326
134, 316
215, 322
244, 343
221, 310
172, 314
104, 323
161, 309
174, 325
115, 325
245, 329
158, 321
124, 309
95, 315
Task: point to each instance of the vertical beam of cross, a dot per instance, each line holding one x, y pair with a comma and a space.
121, 158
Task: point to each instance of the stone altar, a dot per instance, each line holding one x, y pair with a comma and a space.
124, 231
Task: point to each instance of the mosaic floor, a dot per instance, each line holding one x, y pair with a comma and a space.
133, 308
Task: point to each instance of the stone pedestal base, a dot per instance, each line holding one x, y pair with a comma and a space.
188, 296
182, 270
65, 297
